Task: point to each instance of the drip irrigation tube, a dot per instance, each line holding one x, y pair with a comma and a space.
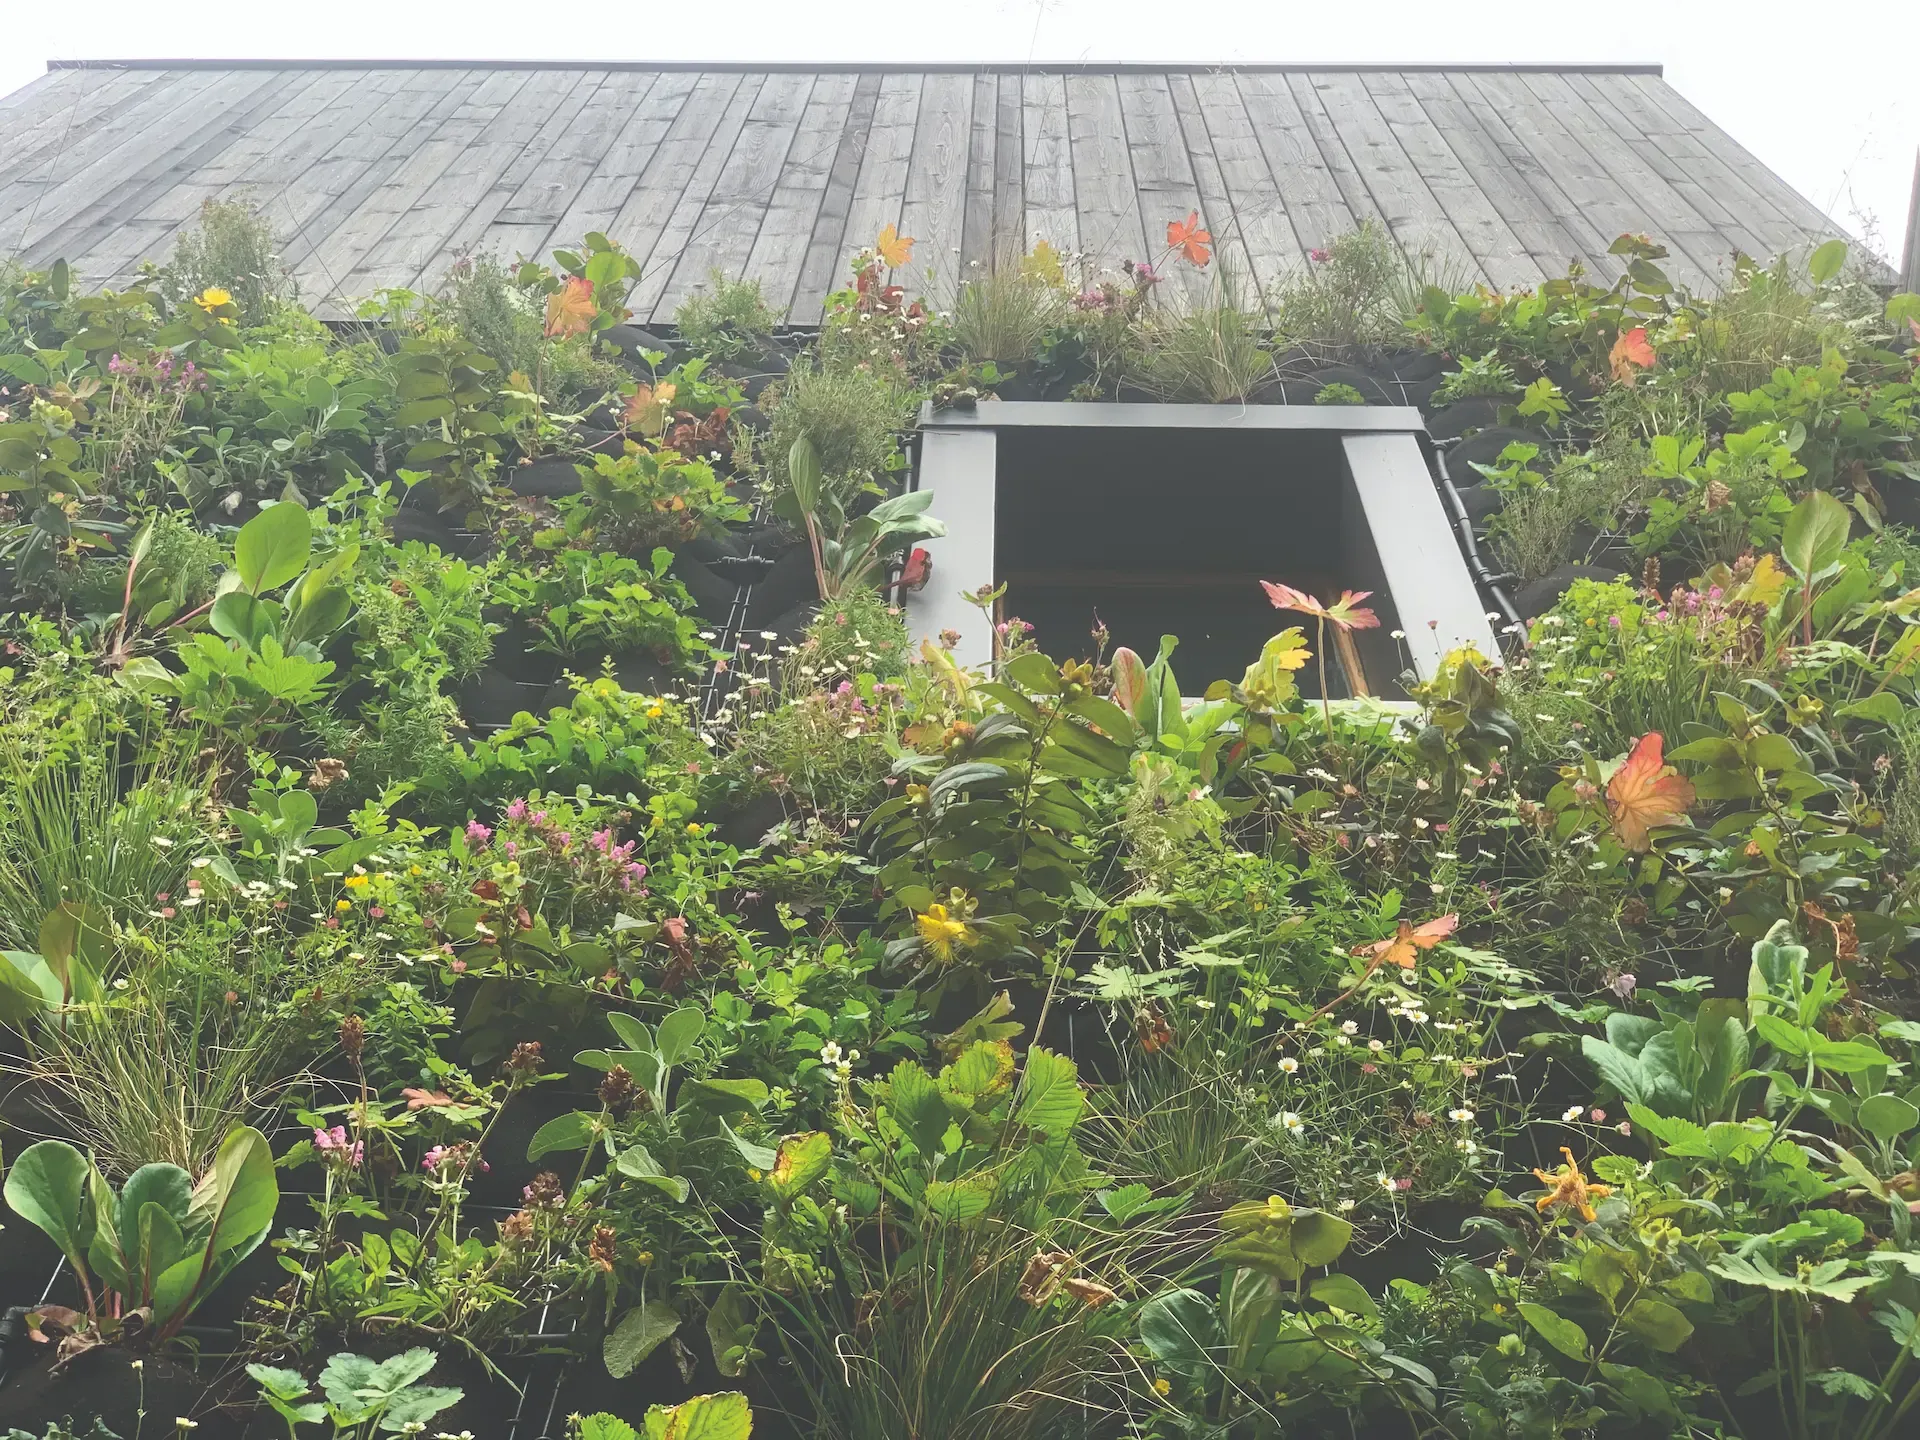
1491, 582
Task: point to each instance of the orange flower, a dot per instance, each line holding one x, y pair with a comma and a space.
1569, 1188
418, 1099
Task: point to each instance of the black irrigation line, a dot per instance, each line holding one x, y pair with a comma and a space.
1491, 582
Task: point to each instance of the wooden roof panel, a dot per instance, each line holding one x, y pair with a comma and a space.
382, 173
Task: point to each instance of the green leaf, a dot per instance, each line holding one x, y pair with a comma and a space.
918, 1107
640, 1332
1886, 1117
606, 1427
573, 1131
273, 547
1562, 1334
45, 1187
959, 1199
1826, 262
802, 1159
233, 1207
1658, 1323
1319, 1238
679, 1033
1343, 1292
760, 1157
704, 1417
730, 1328
636, 1162
1180, 1328
1050, 1097
279, 1383
1815, 535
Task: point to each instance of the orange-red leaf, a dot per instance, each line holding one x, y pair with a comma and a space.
1646, 791
570, 309
1631, 354
893, 248
1403, 947
1347, 612
1189, 239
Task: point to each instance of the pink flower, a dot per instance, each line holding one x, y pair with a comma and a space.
478, 834
1369, 1069
601, 840
167, 912
431, 1161
517, 810
513, 850
1624, 1128
334, 1143
457, 965
1405, 1182
1319, 257
1598, 1115
376, 913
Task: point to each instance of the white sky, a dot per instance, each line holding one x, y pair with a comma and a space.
1829, 97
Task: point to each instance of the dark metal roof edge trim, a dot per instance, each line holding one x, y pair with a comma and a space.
880, 67
1157, 415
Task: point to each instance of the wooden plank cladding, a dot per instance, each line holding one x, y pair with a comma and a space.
382, 173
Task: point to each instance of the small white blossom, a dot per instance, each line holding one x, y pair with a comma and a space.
1288, 1065
1292, 1123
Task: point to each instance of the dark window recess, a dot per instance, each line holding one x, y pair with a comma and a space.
1171, 531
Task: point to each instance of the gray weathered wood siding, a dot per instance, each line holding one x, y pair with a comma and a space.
382, 174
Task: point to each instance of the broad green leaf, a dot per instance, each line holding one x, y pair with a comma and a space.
1658, 1323
273, 547
45, 1187
1319, 1238
1180, 1328
1826, 262
918, 1107
606, 1427
1050, 1097
1815, 535
1886, 1117
1343, 1292
679, 1032
1562, 1334
802, 1159
640, 1332
572, 1131
959, 1199
704, 1417
637, 1163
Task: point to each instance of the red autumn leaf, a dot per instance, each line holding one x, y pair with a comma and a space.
1129, 679
893, 248
1646, 791
913, 575
1403, 947
570, 309
1346, 612
1631, 354
1189, 239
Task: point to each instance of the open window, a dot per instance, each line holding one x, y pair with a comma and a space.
1163, 519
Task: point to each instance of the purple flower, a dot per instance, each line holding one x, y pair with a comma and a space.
431, 1160
601, 840
517, 810
1319, 257
478, 834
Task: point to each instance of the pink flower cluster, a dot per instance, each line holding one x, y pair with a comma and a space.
189, 376
336, 1147
450, 1156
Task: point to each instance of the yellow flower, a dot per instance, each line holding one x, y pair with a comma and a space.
693, 828
343, 904
654, 712
354, 882
942, 931
212, 298
1163, 1386
1568, 1187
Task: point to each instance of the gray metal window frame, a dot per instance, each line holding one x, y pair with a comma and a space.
1383, 465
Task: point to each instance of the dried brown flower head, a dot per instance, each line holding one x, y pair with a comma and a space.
601, 1249
353, 1036
325, 773
616, 1092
